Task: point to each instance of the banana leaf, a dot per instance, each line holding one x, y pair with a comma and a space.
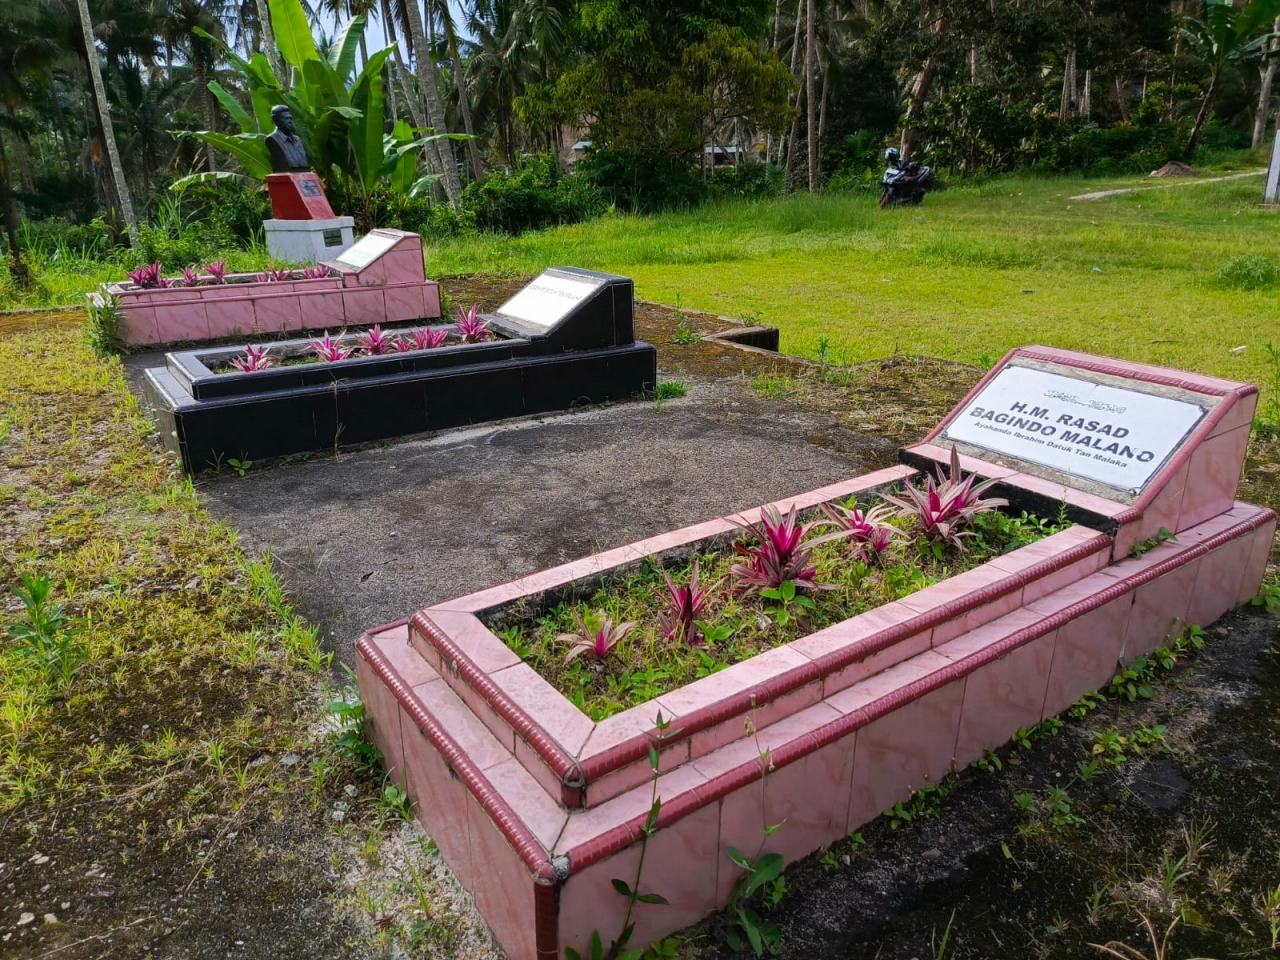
293, 32
342, 55
249, 148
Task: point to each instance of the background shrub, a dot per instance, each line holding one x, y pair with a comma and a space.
536, 194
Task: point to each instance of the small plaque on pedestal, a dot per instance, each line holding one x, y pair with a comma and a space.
309, 240
298, 196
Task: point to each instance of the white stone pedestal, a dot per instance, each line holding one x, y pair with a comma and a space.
309, 241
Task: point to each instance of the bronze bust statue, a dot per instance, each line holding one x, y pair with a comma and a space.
287, 153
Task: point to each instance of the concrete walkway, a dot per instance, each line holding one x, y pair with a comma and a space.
1103, 194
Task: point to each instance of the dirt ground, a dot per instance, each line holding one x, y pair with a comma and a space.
370, 535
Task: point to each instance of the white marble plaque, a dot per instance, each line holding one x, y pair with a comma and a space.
548, 299
1104, 434
369, 248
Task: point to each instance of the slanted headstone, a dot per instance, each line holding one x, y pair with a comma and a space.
1088, 427
567, 308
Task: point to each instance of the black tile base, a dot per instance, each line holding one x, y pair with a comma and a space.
298, 418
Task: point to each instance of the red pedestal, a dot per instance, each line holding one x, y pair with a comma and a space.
298, 196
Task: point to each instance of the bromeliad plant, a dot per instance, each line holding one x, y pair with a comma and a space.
942, 511
685, 607
216, 272
317, 272
190, 277
471, 329
275, 274
783, 554
870, 533
428, 338
597, 634
147, 278
375, 343
255, 358
329, 350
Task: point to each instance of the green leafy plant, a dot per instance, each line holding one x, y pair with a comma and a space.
670, 390
1109, 746
46, 636
102, 329
241, 466
761, 883
1268, 597
1133, 681
1162, 536
787, 603
350, 740
684, 333
618, 949
394, 803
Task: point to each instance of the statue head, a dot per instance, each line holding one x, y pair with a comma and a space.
282, 118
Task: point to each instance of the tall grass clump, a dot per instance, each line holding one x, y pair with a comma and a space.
1249, 271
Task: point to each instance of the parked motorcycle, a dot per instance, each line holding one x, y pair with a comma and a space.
903, 182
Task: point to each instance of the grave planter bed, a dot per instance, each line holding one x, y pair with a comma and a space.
538, 809
380, 280
585, 354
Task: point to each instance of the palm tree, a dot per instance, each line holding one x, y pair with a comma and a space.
500, 67
1223, 37
428, 84
460, 82
24, 53
104, 118
179, 20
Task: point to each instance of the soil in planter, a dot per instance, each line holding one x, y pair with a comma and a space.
646, 664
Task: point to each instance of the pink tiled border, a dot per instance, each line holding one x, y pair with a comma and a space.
391, 289
586, 764
597, 837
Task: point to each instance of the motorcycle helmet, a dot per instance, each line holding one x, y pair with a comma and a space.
891, 155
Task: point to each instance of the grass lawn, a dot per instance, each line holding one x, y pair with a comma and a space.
975, 271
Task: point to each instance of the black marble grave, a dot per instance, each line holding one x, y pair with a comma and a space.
567, 339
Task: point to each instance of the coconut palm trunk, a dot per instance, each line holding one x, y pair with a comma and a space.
269, 42
464, 98
1201, 116
811, 107
1264, 95
18, 268
428, 84
104, 117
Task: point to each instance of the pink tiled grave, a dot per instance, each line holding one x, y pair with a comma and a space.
391, 287
538, 809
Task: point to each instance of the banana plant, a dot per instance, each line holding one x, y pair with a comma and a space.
340, 120
1226, 35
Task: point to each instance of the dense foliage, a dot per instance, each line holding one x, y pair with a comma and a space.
556, 110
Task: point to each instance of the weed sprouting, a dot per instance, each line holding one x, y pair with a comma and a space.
350, 740
395, 803
1163, 535
1267, 905
46, 636
618, 948
684, 333
761, 884
102, 329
